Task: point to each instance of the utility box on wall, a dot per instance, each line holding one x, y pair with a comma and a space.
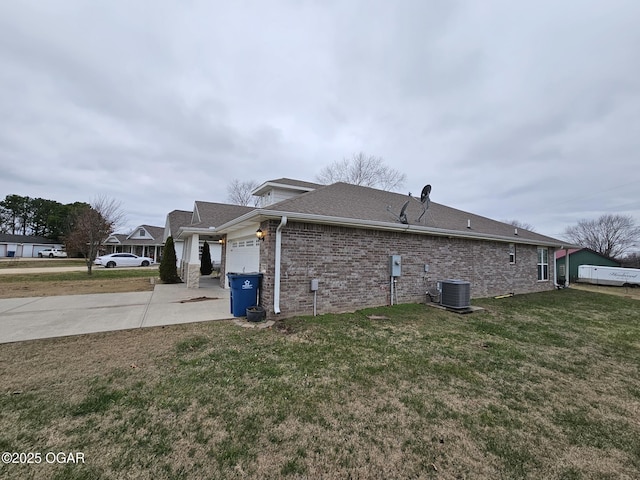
395, 265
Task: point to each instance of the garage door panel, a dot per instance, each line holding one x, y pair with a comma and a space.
243, 256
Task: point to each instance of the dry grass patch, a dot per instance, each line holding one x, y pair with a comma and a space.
40, 263
626, 292
537, 386
73, 287
46, 284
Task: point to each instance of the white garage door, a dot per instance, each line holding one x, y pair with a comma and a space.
243, 255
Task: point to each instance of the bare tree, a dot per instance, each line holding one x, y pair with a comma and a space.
609, 235
92, 225
362, 169
631, 261
239, 192
521, 225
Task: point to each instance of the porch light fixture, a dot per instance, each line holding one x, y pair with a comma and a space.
260, 234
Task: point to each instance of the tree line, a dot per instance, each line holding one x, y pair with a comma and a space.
24, 215
82, 227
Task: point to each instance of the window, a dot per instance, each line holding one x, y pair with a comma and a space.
543, 264
141, 232
512, 253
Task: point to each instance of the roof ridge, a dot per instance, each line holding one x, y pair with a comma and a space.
349, 201
216, 203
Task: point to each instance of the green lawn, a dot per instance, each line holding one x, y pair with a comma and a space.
537, 386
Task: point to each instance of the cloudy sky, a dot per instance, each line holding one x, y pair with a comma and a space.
525, 110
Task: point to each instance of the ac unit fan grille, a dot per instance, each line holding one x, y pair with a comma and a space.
455, 294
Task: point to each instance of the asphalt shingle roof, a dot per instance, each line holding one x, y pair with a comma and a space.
347, 201
10, 238
215, 214
177, 219
155, 232
156, 236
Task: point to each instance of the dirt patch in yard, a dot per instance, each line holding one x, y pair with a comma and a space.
74, 287
625, 292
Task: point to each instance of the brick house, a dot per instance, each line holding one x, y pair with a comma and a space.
342, 235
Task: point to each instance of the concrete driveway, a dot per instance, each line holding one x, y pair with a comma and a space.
46, 317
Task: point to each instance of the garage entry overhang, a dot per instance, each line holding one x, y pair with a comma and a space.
205, 234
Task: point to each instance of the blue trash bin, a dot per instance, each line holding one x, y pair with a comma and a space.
244, 292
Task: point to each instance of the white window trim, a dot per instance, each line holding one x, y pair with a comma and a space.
542, 263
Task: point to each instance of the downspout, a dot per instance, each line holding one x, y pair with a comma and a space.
276, 279
566, 270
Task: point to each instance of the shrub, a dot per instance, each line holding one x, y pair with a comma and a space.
168, 269
206, 268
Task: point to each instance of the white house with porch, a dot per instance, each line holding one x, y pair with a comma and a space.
144, 241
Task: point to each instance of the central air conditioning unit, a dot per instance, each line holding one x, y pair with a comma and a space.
455, 294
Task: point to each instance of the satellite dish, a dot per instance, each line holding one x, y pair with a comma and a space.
425, 200
402, 218
424, 196
403, 215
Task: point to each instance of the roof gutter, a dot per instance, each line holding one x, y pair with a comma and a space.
276, 280
256, 215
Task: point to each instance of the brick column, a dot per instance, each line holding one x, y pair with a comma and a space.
193, 265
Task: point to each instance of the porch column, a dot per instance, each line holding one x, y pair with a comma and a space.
193, 259
566, 267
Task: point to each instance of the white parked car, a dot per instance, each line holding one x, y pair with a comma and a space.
52, 253
123, 260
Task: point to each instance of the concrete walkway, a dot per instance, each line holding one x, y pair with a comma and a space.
46, 317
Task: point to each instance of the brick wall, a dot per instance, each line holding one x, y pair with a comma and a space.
352, 266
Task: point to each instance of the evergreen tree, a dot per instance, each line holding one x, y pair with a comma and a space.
38, 216
206, 268
168, 269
